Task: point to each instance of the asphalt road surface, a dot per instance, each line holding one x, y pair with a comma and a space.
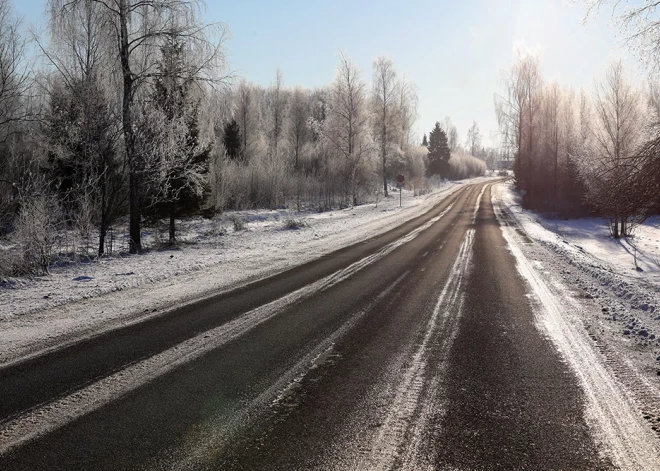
416, 349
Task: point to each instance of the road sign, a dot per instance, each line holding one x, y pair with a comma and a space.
400, 178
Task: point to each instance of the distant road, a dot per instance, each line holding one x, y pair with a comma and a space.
416, 349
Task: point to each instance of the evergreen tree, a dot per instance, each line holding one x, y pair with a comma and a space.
85, 169
232, 139
438, 152
179, 191
425, 141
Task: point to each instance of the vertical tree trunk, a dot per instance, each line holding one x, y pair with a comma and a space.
172, 225
103, 208
384, 155
135, 204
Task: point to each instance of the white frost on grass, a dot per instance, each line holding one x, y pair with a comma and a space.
80, 300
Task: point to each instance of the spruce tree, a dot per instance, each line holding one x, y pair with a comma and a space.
232, 139
172, 96
425, 141
438, 152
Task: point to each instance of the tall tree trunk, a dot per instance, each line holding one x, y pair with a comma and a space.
135, 206
103, 227
384, 156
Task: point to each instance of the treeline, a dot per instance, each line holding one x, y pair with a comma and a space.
135, 114
576, 154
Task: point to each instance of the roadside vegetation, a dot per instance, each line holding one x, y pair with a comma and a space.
593, 151
132, 118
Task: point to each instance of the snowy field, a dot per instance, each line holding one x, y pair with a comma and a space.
590, 292
79, 300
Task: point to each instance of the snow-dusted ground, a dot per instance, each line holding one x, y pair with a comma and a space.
83, 299
602, 314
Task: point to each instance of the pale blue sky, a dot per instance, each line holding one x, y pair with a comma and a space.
453, 50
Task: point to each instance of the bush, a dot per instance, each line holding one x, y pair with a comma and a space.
36, 233
239, 223
294, 223
462, 165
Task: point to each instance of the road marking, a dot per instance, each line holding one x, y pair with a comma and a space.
53, 415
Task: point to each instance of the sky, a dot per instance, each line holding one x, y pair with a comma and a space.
454, 51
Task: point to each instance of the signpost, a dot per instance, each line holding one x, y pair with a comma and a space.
400, 179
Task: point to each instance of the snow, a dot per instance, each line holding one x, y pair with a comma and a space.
600, 312
591, 236
83, 299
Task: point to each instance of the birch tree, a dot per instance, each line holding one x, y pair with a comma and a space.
14, 71
614, 164
517, 114
346, 126
384, 99
473, 141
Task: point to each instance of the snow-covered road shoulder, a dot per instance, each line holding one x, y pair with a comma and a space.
603, 335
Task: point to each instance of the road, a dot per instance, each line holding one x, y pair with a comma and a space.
416, 349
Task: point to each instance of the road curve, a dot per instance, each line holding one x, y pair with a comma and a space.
414, 350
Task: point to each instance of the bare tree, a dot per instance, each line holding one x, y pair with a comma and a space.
384, 96
276, 104
346, 127
473, 141
517, 109
614, 164
14, 71
138, 28
551, 108
640, 22
452, 134
408, 101
246, 117
298, 126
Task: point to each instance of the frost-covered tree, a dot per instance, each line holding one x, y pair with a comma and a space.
247, 117
14, 72
452, 134
473, 141
136, 30
82, 133
298, 129
517, 110
614, 165
385, 110
179, 170
346, 127
276, 110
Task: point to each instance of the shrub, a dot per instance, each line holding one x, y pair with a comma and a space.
239, 223
294, 223
37, 234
